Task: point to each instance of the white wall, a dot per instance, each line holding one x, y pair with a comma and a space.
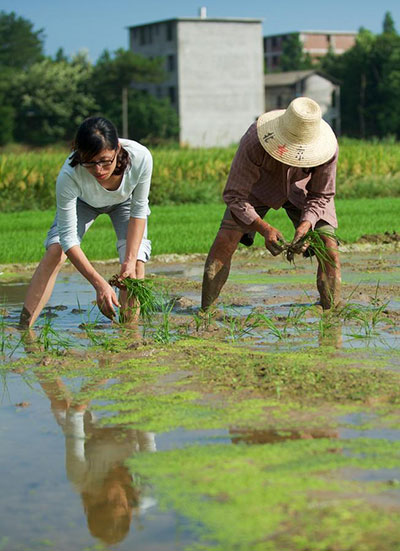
220, 80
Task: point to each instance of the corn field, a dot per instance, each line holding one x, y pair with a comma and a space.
27, 179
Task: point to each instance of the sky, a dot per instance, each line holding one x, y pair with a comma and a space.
96, 25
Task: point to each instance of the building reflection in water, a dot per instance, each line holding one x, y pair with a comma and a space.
95, 458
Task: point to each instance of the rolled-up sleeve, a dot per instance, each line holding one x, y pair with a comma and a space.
321, 189
244, 173
66, 194
140, 195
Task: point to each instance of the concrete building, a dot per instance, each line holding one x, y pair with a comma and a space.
282, 88
315, 43
215, 76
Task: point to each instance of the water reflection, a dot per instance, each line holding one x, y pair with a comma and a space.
270, 436
94, 462
331, 335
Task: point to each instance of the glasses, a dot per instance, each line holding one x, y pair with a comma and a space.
92, 164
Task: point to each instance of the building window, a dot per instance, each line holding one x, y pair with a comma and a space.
172, 94
146, 35
159, 93
279, 102
170, 31
274, 42
170, 63
275, 61
142, 35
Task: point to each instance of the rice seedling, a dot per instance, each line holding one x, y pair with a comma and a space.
272, 326
5, 337
203, 319
238, 326
90, 326
163, 333
50, 340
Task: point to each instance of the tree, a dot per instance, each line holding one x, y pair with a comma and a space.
293, 58
113, 80
151, 119
51, 99
7, 111
21, 46
370, 84
388, 24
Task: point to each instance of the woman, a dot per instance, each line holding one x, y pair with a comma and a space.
104, 174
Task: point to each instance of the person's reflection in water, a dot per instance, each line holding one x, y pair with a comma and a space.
95, 457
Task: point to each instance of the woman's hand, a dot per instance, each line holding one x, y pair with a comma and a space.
128, 269
106, 299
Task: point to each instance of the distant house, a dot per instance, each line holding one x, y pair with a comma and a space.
282, 88
315, 43
215, 76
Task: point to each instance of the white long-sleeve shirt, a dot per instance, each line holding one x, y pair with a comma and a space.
74, 182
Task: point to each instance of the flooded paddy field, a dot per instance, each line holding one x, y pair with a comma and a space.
265, 425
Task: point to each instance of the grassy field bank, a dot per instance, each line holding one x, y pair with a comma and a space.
27, 179
184, 229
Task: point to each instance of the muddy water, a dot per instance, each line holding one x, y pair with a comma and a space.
65, 481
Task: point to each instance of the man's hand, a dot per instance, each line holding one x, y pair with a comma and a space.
274, 241
301, 231
298, 245
106, 299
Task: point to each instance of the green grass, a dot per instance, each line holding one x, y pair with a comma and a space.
184, 229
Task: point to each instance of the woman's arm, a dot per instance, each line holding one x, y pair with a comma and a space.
106, 298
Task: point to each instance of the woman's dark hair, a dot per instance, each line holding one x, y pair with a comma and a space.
93, 136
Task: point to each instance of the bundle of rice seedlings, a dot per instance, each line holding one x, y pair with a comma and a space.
316, 246
141, 290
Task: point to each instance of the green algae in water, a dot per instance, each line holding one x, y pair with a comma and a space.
289, 495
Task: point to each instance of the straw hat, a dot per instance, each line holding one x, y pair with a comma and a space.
297, 136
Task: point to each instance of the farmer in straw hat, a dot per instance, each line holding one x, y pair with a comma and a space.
286, 159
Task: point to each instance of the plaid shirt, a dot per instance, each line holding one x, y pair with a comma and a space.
257, 179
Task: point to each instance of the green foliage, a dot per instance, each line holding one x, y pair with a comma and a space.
148, 117
51, 99
6, 123
151, 120
370, 83
388, 24
293, 58
21, 46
